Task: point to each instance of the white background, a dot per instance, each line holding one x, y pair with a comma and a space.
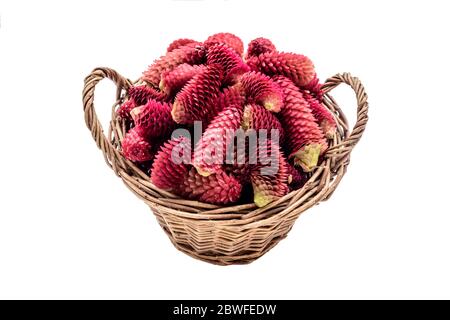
70, 229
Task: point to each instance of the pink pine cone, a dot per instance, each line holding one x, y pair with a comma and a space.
305, 139
210, 151
232, 63
230, 96
219, 188
172, 81
166, 173
193, 102
191, 53
153, 119
260, 89
124, 110
229, 39
142, 93
314, 87
323, 117
296, 179
296, 67
259, 46
179, 43
271, 184
258, 118
135, 147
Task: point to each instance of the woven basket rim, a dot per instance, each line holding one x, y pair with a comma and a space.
321, 184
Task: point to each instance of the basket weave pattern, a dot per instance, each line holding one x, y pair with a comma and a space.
233, 234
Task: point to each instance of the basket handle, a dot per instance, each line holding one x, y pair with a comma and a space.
112, 156
346, 145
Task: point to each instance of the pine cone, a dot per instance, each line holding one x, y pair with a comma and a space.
179, 43
323, 116
259, 46
193, 102
314, 87
170, 166
305, 139
229, 39
230, 96
218, 188
232, 64
141, 94
172, 81
257, 118
270, 182
210, 151
191, 53
296, 179
135, 147
296, 67
124, 110
261, 89
153, 119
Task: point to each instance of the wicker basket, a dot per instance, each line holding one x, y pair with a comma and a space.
234, 234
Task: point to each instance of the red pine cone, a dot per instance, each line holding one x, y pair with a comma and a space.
296, 67
232, 64
270, 182
261, 89
323, 116
218, 188
191, 53
305, 139
124, 110
166, 173
296, 179
193, 102
141, 94
210, 151
172, 81
179, 43
259, 46
135, 147
153, 119
257, 118
229, 39
230, 96
315, 88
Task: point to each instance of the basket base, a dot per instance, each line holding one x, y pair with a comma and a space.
221, 259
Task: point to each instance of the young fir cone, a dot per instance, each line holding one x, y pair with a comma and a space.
259, 46
124, 110
141, 94
210, 151
218, 188
315, 88
170, 166
153, 119
296, 179
260, 89
258, 118
323, 117
191, 53
305, 139
232, 63
296, 67
172, 81
230, 96
193, 102
229, 39
269, 182
179, 43
135, 147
